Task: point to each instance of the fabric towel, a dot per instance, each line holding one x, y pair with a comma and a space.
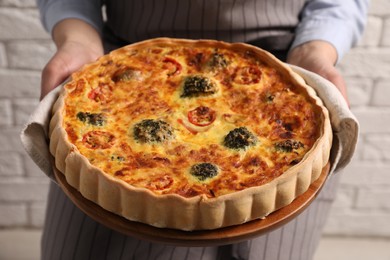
345, 126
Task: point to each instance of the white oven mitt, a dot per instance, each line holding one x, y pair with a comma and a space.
344, 124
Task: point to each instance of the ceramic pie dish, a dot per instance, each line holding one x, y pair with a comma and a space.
258, 157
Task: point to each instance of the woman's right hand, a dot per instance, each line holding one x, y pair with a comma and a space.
77, 43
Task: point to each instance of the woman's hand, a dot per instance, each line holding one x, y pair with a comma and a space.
77, 43
319, 57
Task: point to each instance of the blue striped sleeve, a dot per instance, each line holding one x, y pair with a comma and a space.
340, 23
54, 11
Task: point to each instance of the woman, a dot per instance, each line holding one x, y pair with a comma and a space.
311, 34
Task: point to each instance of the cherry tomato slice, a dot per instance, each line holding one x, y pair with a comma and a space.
98, 140
161, 182
172, 66
201, 116
101, 93
247, 75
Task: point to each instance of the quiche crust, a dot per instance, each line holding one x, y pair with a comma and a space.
198, 212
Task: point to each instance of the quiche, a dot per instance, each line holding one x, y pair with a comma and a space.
189, 134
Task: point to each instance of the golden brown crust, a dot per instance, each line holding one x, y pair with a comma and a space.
197, 212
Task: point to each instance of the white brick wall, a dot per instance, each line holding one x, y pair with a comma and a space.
24, 49
363, 205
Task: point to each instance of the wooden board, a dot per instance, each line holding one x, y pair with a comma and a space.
215, 237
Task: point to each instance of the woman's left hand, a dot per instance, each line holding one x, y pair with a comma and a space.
319, 57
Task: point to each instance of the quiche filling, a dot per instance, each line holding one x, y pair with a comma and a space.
189, 120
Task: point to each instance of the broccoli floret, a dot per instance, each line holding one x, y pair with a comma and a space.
288, 146
239, 138
217, 61
96, 119
152, 130
203, 171
195, 86
269, 98
126, 74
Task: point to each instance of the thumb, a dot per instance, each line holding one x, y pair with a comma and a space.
53, 74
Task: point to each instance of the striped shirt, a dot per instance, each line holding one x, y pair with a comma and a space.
228, 20
339, 22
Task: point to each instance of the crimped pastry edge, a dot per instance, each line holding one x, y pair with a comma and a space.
197, 213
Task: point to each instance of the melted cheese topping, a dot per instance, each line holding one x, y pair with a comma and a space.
128, 86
